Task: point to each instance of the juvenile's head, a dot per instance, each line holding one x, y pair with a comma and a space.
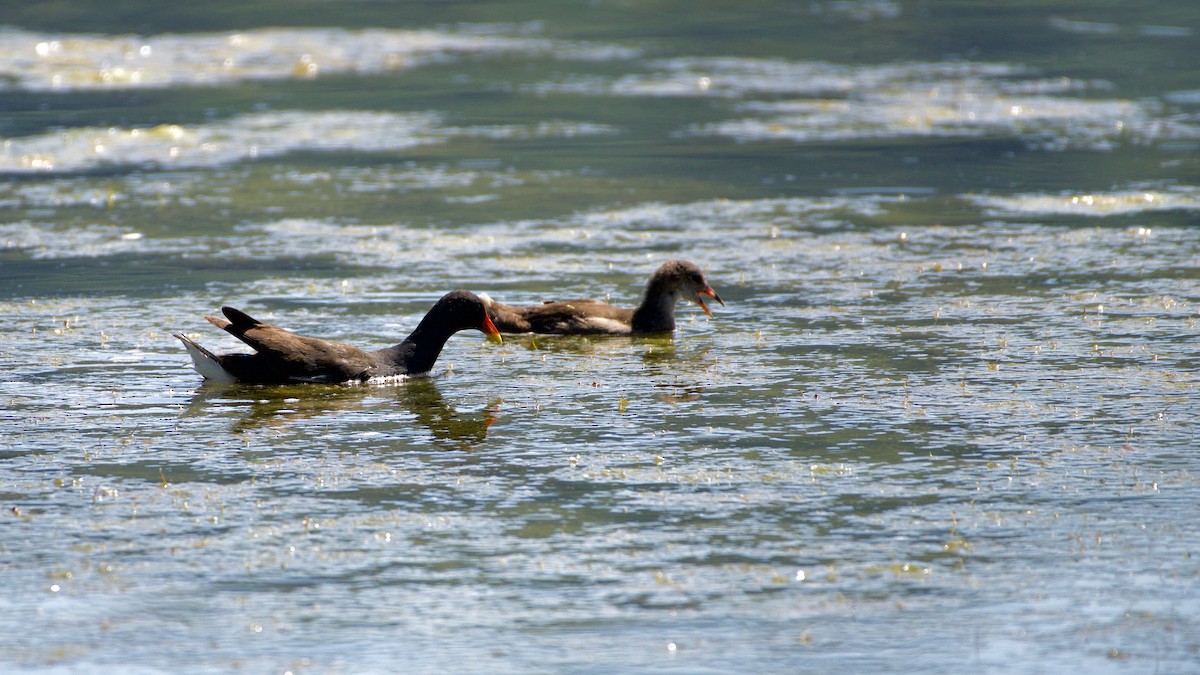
685, 281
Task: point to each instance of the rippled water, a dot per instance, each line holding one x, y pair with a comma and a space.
945, 421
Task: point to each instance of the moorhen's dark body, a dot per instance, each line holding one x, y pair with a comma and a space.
674, 280
282, 356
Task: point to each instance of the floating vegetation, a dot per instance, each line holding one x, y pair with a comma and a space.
1096, 204
1100, 28
902, 100
734, 77
250, 137
41, 241
1049, 123
240, 138
901, 570
72, 62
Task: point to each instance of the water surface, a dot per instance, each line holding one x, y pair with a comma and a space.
944, 422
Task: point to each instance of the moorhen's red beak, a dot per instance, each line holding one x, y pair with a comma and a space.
489, 329
710, 293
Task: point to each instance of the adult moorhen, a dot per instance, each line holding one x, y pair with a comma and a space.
282, 356
674, 280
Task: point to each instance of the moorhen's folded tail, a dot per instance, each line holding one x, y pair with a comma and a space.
205, 362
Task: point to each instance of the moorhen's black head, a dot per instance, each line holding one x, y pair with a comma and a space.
461, 310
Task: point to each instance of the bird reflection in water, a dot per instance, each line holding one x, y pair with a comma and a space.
680, 378
681, 370
281, 405
463, 431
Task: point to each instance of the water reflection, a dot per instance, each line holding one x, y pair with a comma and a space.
283, 405
451, 428
679, 375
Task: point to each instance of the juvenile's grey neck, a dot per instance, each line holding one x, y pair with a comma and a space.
656, 314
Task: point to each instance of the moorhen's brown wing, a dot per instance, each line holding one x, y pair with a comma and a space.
283, 356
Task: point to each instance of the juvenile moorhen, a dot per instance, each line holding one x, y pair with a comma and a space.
674, 280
